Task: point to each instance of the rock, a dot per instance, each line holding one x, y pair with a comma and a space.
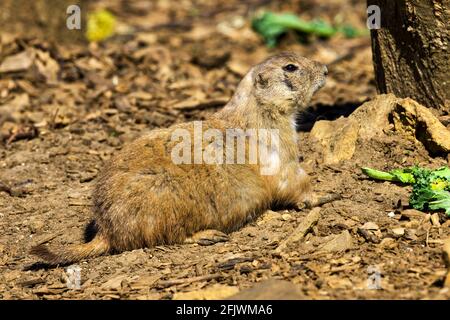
398, 232
373, 116
418, 121
271, 289
18, 62
388, 243
370, 226
337, 139
371, 232
215, 292
370, 236
341, 242
410, 234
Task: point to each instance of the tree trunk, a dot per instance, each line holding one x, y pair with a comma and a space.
411, 52
42, 18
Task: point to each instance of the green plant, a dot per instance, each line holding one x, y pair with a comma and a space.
431, 188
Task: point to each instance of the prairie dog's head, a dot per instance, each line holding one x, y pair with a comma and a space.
287, 81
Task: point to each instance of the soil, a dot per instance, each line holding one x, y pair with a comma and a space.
181, 64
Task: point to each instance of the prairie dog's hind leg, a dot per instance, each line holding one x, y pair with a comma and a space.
305, 197
311, 199
315, 200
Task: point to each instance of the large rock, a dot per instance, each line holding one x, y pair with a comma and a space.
416, 120
337, 139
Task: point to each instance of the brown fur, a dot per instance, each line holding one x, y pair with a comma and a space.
143, 199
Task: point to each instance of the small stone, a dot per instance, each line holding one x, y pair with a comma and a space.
286, 217
341, 242
391, 214
399, 232
388, 243
410, 234
18, 62
370, 226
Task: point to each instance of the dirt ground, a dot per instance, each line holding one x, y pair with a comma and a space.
60, 121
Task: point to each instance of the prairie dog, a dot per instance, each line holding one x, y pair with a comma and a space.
143, 198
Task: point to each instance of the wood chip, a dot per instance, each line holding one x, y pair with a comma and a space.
305, 226
169, 283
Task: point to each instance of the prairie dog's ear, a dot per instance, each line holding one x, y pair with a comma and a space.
261, 80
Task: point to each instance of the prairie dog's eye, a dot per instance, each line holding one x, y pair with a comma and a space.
290, 67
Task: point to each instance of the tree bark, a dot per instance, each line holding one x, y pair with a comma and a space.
411, 52
41, 18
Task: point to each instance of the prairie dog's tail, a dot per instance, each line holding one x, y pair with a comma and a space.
72, 253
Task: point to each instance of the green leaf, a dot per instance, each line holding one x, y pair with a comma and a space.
397, 175
378, 175
271, 26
